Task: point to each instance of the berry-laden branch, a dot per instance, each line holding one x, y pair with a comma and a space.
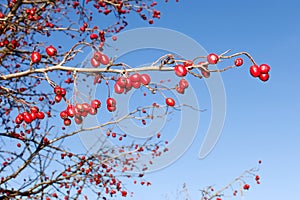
38, 157
241, 182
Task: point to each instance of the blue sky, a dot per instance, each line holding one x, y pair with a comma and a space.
262, 119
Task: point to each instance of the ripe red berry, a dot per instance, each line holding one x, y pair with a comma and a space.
136, 77
170, 102
19, 145
264, 77
93, 36
58, 98
145, 79
95, 63
212, 58
111, 108
121, 82
238, 62
95, 103
57, 90
246, 187
254, 71
70, 111
51, 51
27, 117
264, 68
183, 83
111, 102
136, 85
180, 70
36, 57
67, 122
104, 59
40, 115
124, 193
34, 109
118, 89
63, 114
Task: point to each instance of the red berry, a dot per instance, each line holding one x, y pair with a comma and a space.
95, 63
246, 187
63, 92
170, 102
124, 193
57, 90
95, 103
136, 85
70, 111
78, 120
19, 119
111, 102
254, 71
121, 82
104, 59
93, 111
238, 62
67, 122
33, 116
63, 114
51, 51
19, 145
145, 79
27, 117
180, 90
180, 70
136, 77
36, 57
97, 55
58, 98
183, 83
212, 58
40, 115
34, 109
264, 68
264, 77
111, 108
93, 36
118, 89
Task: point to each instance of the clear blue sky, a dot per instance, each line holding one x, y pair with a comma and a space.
262, 119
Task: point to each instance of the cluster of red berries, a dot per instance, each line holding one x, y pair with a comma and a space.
60, 93
30, 116
79, 111
125, 84
36, 56
261, 71
99, 58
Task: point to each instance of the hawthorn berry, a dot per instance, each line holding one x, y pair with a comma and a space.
264, 77
111, 102
183, 83
145, 79
246, 187
36, 57
264, 68
238, 62
51, 51
212, 58
95, 103
255, 71
180, 70
170, 102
